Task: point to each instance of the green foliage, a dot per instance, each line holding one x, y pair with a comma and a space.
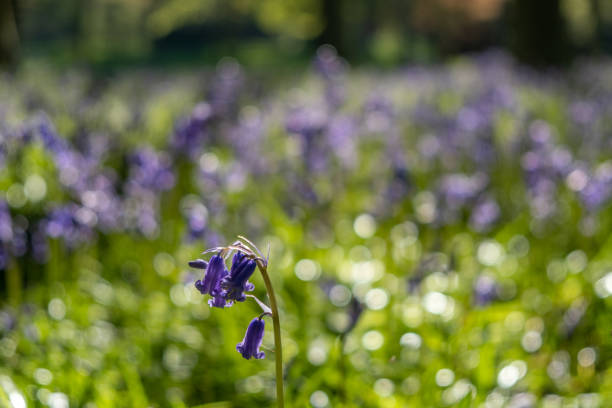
117, 322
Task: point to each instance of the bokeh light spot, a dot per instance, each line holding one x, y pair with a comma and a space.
365, 226
307, 270
372, 340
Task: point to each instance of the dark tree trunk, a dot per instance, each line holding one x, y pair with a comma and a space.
537, 32
603, 30
332, 33
9, 38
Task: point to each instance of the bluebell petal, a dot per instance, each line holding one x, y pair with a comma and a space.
249, 347
198, 264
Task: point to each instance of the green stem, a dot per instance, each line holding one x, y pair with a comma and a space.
55, 259
278, 348
342, 394
13, 282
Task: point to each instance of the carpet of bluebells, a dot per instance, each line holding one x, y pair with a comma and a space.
439, 236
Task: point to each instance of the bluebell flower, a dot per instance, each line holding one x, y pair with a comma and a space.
218, 300
328, 63
484, 214
196, 222
249, 347
51, 140
236, 283
191, 132
226, 88
215, 272
307, 122
151, 170
6, 224
485, 290
458, 189
62, 222
198, 264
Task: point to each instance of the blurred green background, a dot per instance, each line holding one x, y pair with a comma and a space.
269, 32
438, 212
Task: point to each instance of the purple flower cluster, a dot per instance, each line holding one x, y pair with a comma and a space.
69, 223
226, 287
6, 233
598, 187
226, 87
332, 68
151, 170
457, 133
89, 196
191, 132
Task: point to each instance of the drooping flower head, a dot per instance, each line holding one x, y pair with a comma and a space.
211, 285
227, 287
249, 347
236, 283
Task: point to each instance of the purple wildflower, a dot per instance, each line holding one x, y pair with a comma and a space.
327, 62
249, 347
218, 300
215, 271
236, 283
331, 68
583, 112
197, 219
190, 132
306, 122
310, 123
151, 170
573, 316
595, 194
485, 290
341, 133
51, 140
378, 114
226, 88
6, 225
598, 188
485, 213
457, 188
63, 222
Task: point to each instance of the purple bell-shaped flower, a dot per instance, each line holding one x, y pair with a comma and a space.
249, 347
211, 285
236, 283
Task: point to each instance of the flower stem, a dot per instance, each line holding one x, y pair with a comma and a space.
278, 348
13, 282
342, 392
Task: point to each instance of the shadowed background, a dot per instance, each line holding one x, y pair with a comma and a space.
276, 31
